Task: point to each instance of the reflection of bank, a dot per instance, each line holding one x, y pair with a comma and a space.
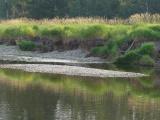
47, 96
85, 86
75, 85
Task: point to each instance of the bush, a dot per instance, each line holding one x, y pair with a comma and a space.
147, 49
138, 55
109, 50
26, 45
96, 50
130, 57
146, 60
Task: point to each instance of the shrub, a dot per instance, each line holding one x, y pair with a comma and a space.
96, 50
104, 50
146, 60
112, 48
130, 57
138, 55
147, 49
109, 50
26, 45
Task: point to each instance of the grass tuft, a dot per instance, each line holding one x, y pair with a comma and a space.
26, 45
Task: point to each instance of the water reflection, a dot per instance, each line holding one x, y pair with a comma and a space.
34, 96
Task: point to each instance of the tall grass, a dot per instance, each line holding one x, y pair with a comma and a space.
79, 31
137, 25
133, 19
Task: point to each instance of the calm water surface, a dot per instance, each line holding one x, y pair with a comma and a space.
34, 96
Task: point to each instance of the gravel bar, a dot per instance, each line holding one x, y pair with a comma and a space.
70, 70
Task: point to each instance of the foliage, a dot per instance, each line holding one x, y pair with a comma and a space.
147, 60
130, 57
26, 45
145, 32
109, 50
147, 49
139, 55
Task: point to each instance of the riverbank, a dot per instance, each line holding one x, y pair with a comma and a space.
120, 42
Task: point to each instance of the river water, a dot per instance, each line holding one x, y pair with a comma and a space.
35, 96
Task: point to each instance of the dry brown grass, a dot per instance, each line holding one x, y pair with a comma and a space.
136, 18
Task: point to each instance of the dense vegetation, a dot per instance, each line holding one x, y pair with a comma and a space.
121, 41
71, 8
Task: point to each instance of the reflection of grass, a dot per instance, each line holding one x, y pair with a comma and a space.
118, 86
95, 87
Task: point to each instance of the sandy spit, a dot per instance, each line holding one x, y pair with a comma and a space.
70, 70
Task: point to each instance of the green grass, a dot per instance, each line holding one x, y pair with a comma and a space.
108, 50
26, 45
118, 32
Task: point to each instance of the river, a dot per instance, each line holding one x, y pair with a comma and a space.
37, 96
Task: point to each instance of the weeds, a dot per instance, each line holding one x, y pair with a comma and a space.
143, 55
26, 45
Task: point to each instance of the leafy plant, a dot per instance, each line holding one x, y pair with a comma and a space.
147, 49
26, 45
147, 60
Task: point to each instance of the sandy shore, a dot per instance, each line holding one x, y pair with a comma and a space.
70, 70
13, 53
